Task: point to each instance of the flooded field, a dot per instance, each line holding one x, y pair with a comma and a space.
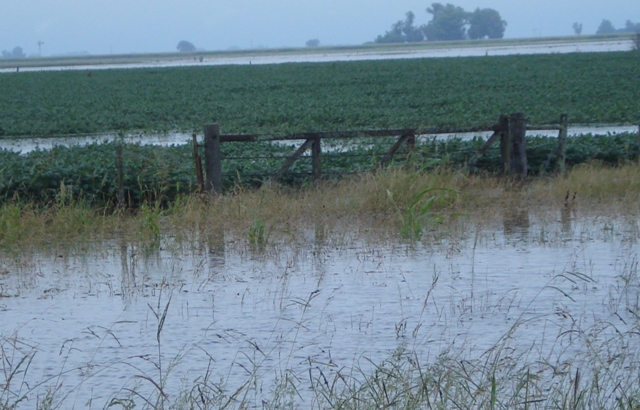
323, 56
117, 322
26, 145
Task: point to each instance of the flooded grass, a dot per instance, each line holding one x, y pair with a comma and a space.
513, 295
364, 202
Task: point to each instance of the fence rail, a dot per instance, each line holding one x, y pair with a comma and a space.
509, 130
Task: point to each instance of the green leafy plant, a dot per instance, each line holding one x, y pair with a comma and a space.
258, 233
418, 214
589, 87
150, 220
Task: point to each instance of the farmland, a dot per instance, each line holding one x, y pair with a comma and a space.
446, 93
457, 92
163, 173
421, 285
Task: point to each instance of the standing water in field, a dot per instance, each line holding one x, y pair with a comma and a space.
95, 326
323, 56
27, 144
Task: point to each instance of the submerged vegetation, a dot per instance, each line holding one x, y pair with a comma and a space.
581, 366
163, 174
398, 201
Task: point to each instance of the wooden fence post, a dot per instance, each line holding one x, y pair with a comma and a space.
517, 133
212, 159
316, 150
562, 143
198, 162
506, 147
639, 139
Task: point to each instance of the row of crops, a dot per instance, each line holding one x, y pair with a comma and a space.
152, 173
447, 92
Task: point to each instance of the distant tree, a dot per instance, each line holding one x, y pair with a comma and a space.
631, 27
636, 42
606, 27
411, 33
402, 31
313, 43
15, 53
392, 36
577, 28
448, 23
486, 23
185, 46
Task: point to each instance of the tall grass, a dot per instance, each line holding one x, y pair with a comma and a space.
357, 202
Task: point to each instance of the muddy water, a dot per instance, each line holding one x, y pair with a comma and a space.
89, 317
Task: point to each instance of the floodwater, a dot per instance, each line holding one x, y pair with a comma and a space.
26, 145
317, 56
88, 316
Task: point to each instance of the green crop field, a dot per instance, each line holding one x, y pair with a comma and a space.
448, 92
454, 92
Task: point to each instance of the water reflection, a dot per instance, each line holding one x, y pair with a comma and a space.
217, 250
297, 309
566, 218
129, 283
515, 223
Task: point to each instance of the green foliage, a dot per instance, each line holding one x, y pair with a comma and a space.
258, 234
403, 31
486, 23
10, 226
418, 214
448, 22
150, 220
158, 175
15, 53
577, 28
460, 92
606, 27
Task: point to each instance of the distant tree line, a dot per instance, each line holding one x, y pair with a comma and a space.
185, 46
448, 22
17, 52
314, 42
606, 27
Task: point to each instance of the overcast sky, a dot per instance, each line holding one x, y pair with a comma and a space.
125, 26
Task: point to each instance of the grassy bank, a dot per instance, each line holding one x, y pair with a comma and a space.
388, 200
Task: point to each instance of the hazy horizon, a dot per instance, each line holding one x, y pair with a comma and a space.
144, 26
